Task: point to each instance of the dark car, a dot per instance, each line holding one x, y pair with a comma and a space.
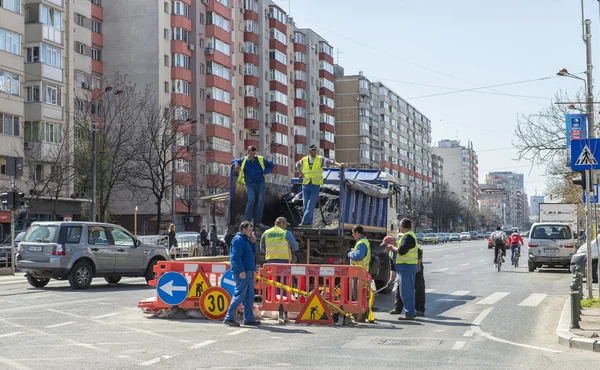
5, 251
579, 259
419, 237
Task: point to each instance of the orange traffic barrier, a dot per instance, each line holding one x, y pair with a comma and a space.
344, 286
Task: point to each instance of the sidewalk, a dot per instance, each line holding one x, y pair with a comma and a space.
587, 337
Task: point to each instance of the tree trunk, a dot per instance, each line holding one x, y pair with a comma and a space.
158, 215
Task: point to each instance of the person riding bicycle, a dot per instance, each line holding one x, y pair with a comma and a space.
516, 241
500, 241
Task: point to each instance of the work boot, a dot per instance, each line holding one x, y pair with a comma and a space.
420, 313
231, 323
404, 317
396, 311
252, 323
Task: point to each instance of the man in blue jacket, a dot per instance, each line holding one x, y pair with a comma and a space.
243, 263
252, 169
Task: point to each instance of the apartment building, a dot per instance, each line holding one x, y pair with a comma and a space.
517, 210
534, 203
461, 169
376, 128
437, 171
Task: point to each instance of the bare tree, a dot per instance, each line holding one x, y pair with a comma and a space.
445, 206
116, 111
163, 142
214, 184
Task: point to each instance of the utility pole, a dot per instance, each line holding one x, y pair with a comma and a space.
94, 131
590, 128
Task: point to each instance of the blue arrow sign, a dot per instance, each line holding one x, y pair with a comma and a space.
585, 154
227, 282
595, 195
172, 288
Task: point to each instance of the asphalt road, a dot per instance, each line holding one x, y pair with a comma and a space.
476, 318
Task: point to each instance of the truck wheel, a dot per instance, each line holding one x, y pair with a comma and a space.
38, 283
531, 266
379, 284
113, 280
81, 275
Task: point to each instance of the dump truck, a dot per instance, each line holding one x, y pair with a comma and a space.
362, 196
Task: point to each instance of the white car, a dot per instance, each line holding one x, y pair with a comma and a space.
465, 236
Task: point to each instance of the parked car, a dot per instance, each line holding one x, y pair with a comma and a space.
430, 238
81, 251
473, 235
443, 237
550, 244
480, 235
579, 259
419, 237
454, 237
524, 234
6, 251
465, 236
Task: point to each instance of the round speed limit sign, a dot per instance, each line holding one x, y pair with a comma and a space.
215, 302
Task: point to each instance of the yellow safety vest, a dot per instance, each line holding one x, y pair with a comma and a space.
277, 247
315, 174
365, 262
412, 257
242, 177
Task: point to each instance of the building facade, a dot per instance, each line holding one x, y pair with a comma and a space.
535, 205
517, 211
461, 170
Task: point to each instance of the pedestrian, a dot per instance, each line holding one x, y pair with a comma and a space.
204, 241
406, 261
214, 239
311, 171
172, 241
243, 264
419, 282
278, 243
252, 169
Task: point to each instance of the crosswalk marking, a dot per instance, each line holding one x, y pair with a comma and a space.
533, 300
429, 290
493, 298
461, 292
465, 264
459, 344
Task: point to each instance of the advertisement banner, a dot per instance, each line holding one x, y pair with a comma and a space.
576, 127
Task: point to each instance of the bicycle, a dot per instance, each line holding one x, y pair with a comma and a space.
499, 260
516, 258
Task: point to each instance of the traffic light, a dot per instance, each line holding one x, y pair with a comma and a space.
12, 200
580, 180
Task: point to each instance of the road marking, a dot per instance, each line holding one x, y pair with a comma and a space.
447, 255
240, 331
107, 315
13, 364
481, 261
38, 295
276, 337
461, 292
447, 268
429, 290
202, 344
493, 298
480, 318
61, 324
533, 300
468, 333
459, 344
10, 334
465, 264
150, 362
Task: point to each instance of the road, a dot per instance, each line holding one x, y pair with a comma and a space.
476, 318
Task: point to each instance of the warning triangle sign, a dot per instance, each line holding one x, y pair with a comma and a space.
198, 285
315, 311
586, 157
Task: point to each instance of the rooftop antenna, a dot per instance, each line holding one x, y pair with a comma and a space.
338, 53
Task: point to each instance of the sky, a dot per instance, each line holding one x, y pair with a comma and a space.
462, 44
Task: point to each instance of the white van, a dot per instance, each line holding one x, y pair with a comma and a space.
550, 243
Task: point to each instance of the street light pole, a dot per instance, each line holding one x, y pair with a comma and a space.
94, 130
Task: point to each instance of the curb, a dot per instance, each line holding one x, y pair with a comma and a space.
567, 338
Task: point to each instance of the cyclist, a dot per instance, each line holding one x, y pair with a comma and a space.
500, 241
515, 244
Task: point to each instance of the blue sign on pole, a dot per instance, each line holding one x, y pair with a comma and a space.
227, 282
576, 127
594, 198
584, 154
172, 288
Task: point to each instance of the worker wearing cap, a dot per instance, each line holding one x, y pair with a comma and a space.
406, 261
252, 169
311, 170
278, 243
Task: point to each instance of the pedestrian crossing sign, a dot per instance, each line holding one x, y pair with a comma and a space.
315, 311
198, 284
584, 154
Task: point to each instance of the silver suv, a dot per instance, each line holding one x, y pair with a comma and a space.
550, 244
80, 251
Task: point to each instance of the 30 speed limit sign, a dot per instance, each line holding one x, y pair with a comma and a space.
215, 302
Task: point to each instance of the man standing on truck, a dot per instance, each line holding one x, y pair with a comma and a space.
252, 169
311, 171
407, 260
278, 243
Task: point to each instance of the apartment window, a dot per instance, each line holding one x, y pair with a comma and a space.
219, 21
10, 83
201, 94
251, 91
251, 48
300, 75
299, 57
251, 26
225, 2
166, 60
299, 38
12, 5
181, 34
79, 48
326, 66
327, 101
201, 68
43, 131
52, 94
181, 113
181, 8
97, 2
278, 56
181, 60
252, 113
218, 94
181, 87
300, 94
218, 45
183, 139
278, 97
218, 119
327, 84
214, 168
275, 75
326, 48
79, 19
217, 69
277, 14
10, 42
182, 191
166, 86
166, 33
300, 112
166, 7
182, 165
10, 124
281, 138
201, 43
32, 93
280, 118
251, 69
96, 27
51, 17
96, 54
201, 18
222, 145
278, 35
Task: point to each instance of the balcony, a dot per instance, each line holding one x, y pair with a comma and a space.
42, 152
43, 112
251, 124
44, 70
97, 67
249, 142
36, 32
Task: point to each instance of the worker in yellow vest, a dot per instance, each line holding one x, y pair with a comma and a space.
406, 264
278, 243
252, 169
311, 171
361, 254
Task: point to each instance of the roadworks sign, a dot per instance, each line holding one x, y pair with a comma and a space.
198, 285
315, 311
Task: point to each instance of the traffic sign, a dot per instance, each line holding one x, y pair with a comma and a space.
215, 302
584, 153
314, 311
227, 282
576, 127
198, 285
595, 195
172, 288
